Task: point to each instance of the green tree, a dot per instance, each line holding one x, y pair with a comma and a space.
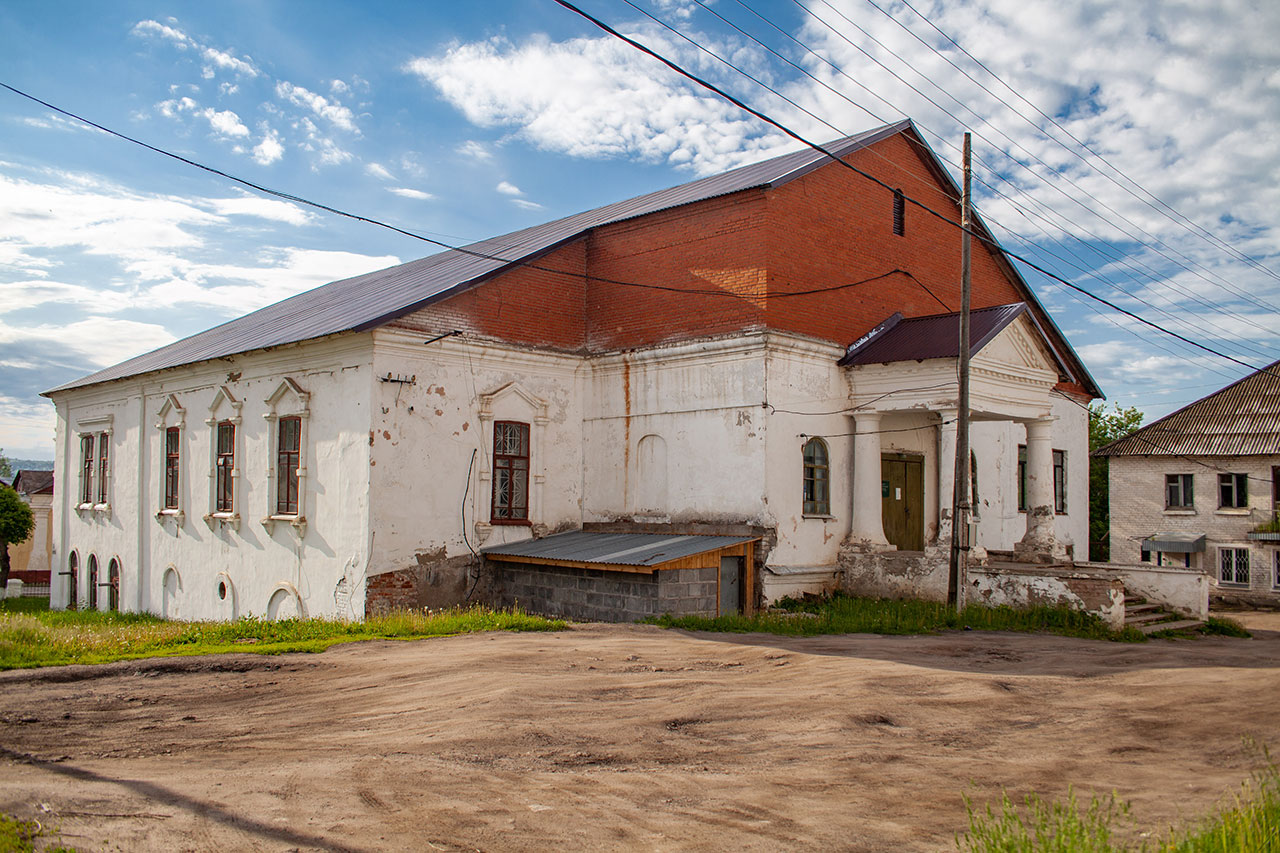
1104, 428
16, 524
6, 470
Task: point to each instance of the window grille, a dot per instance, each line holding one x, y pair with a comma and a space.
1233, 566
510, 472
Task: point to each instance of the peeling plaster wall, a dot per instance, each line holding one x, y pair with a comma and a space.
254, 560
421, 445
1096, 593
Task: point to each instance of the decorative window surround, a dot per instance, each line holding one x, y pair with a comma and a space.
498, 402
224, 408
171, 416
280, 406
99, 429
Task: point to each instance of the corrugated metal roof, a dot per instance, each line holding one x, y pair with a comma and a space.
934, 336
618, 549
368, 300
1242, 419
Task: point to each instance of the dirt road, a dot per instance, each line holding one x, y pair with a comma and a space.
626, 737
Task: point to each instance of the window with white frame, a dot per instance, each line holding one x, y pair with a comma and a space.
224, 459
1179, 491
287, 415
224, 467
104, 445
170, 424
87, 466
817, 478
288, 457
1233, 566
510, 473
172, 467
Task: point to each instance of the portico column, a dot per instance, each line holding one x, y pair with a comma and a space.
1039, 543
867, 527
946, 472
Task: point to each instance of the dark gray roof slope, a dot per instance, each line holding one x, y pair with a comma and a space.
30, 482
618, 549
1242, 419
934, 336
366, 301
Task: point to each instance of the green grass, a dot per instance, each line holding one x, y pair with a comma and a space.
841, 614
31, 637
19, 836
1251, 824
1224, 627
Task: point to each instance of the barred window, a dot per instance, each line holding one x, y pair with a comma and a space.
817, 481
510, 472
1233, 566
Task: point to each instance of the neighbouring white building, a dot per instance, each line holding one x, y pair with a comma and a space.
1200, 489
669, 366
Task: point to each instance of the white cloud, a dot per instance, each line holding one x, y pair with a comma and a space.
410, 193
225, 122
379, 171
475, 151
214, 58
597, 97
339, 88
334, 113
227, 62
269, 150
508, 188
263, 208
157, 29
331, 154
526, 204
22, 295
98, 341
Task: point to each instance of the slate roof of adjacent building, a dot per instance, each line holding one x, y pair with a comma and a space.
934, 336
1242, 419
30, 482
617, 549
367, 301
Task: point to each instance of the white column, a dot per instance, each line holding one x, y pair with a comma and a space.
1039, 540
867, 527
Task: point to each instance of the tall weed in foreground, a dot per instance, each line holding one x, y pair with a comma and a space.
1250, 825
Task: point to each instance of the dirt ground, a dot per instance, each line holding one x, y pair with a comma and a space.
628, 737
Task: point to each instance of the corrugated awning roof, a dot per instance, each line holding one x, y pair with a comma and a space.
366, 301
619, 549
1174, 543
1242, 419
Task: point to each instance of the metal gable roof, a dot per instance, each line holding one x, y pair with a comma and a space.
934, 336
617, 549
365, 301
1242, 419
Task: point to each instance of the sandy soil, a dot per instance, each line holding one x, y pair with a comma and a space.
625, 737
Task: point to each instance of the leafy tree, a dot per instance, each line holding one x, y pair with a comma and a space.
16, 524
6, 470
1104, 428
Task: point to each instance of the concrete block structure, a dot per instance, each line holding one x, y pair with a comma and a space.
767, 354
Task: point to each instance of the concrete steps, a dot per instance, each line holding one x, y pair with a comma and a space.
1152, 618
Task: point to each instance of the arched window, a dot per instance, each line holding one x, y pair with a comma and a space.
93, 581
73, 581
113, 585
817, 481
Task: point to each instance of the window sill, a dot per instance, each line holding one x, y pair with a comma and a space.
101, 509
1238, 511
220, 519
1180, 510
298, 522
1232, 585
177, 515
511, 522
819, 516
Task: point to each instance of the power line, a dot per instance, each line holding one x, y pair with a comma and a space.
1118, 257
974, 233
1186, 221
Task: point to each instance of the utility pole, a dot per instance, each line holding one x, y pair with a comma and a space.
960, 500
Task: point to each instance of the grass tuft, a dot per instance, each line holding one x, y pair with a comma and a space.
1222, 626
843, 614
32, 638
19, 836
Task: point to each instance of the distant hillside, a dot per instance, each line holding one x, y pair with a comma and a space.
31, 465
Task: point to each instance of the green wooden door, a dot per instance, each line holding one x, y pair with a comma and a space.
902, 500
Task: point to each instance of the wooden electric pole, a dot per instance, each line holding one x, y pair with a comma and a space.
960, 501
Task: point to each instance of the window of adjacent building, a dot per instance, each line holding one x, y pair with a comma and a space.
171, 460
510, 472
225, 464
1275, 576
899, 213
288, 459
1233, 566
817, 483
1146, 556
1059, 480
1233, 491
86, 469
1178, 491
93, 581
103, 446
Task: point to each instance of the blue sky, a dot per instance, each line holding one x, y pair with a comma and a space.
465, 120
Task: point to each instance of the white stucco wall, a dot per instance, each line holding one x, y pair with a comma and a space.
252, 559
